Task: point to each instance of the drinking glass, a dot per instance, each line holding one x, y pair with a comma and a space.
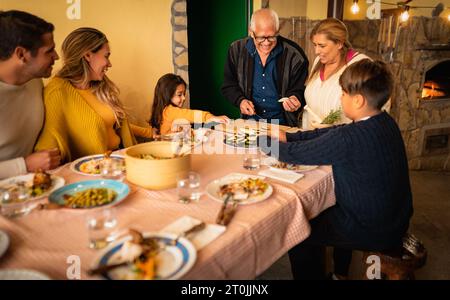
102, 227
252, 161
188, 188
112, 168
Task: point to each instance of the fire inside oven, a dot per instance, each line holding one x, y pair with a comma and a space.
437, 82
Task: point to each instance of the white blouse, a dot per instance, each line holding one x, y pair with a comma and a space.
324, 96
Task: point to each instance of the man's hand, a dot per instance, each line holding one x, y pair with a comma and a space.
45, 160
291, 104
247, 107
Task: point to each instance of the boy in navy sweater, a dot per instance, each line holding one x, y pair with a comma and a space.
370, 170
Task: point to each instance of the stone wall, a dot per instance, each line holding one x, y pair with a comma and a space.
409, 59
180, 42
416, 118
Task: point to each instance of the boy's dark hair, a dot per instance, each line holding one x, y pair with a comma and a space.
21, 29
371, 79
164, 91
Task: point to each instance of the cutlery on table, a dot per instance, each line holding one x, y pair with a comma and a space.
222, 208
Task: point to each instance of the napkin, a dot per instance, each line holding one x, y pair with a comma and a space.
282, 175
200, 238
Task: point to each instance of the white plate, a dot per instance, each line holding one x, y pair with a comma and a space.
173, 261
213, 188
271, 161
298, 168
57, 182
4, 242
75, 165
22, 274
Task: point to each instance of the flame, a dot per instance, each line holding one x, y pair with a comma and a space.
432, 92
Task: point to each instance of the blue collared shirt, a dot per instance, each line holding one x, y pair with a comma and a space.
265, 93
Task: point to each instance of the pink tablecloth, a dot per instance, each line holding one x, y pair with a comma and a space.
257, 236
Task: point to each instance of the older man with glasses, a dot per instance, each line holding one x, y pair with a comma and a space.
265, 73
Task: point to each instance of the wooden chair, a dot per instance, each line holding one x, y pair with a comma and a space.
400, 264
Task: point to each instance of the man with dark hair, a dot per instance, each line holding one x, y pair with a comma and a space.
27, 54
370, 171
264, 68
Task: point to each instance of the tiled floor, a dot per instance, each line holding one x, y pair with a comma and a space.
430, 223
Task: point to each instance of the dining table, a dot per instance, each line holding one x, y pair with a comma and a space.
258, 235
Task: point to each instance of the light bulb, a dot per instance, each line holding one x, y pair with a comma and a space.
355, 8
448, 17
404, 16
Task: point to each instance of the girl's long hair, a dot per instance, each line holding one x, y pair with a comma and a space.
76, 68
335, 31
164, 91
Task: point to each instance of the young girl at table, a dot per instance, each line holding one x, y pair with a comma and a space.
370, 170
167, 111
84, 115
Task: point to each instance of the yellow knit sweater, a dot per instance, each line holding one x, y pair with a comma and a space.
172, 114
73, 126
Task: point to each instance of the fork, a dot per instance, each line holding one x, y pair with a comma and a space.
193, 229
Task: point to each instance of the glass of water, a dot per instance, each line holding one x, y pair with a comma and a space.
112, 168
252, 161
102, 227
188, 188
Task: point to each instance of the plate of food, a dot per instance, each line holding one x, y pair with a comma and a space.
331, 119
245, 189
242, 138
90, 194
91, 165
20, 194
291, 167
4, 242
193, 136
160, 256
22, 274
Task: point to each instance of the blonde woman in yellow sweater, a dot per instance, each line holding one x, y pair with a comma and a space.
170, 94
83, 113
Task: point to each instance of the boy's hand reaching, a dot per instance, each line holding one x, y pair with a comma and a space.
278, 134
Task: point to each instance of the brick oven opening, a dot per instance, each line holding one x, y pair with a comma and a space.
437, 82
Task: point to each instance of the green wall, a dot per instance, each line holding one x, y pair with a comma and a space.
212, 26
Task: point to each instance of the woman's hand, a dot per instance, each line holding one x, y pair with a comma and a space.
219, 119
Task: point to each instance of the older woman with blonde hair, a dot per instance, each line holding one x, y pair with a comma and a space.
84, 115
334, 54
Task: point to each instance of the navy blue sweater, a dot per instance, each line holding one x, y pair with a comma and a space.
370, 170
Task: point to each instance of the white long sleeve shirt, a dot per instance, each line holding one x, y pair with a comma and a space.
324, 96
21, 120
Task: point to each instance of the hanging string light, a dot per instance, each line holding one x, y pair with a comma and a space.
405, 14
355, 7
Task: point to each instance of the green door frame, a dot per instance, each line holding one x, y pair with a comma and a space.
212, 26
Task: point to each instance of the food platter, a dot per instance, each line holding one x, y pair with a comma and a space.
172, 261
90, 165
216, 189
88, 194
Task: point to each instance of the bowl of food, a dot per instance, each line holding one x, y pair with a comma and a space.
157, 165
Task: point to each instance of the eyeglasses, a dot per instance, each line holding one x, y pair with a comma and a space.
261, 39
